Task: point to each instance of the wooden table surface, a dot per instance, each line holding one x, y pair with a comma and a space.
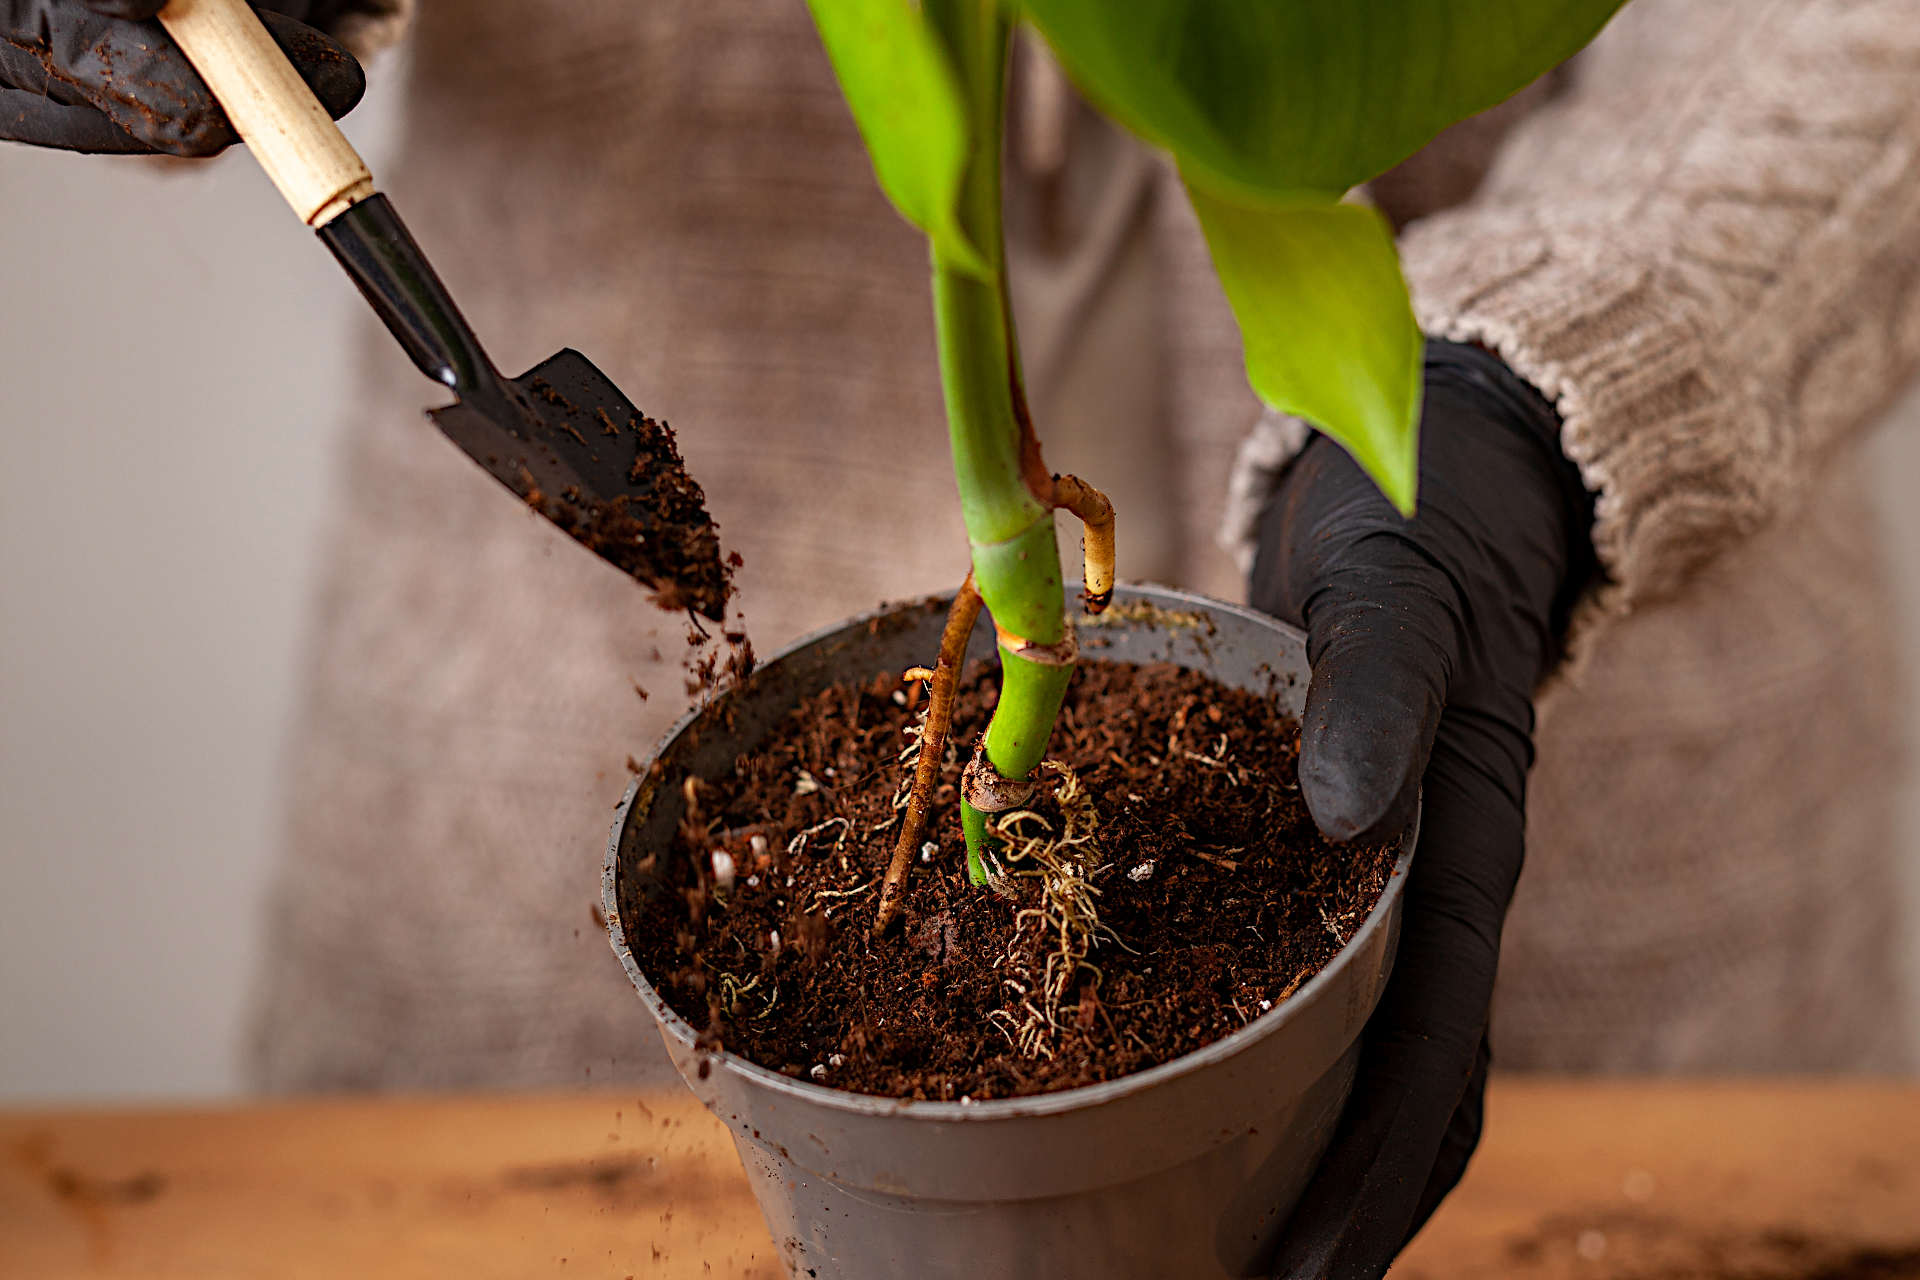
1751, 1181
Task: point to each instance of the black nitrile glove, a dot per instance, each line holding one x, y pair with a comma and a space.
102, 76
1427, 638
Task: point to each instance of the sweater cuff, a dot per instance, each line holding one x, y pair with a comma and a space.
1674, 450
1263, 457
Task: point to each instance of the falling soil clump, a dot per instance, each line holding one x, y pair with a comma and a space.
1166, 888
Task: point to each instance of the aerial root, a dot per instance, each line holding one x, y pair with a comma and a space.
1096, 516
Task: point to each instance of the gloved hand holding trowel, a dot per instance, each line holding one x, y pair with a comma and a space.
190, 77
100, 76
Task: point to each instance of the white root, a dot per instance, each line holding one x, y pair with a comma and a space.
1064, 919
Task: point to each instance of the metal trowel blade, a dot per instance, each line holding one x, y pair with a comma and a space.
575, 449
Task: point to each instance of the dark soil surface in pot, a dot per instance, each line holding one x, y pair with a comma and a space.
1167, 889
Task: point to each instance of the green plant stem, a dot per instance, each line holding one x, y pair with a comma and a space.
1030, 694
1005, 493
973, 824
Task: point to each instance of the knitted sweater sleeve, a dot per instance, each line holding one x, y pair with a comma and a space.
1707, 255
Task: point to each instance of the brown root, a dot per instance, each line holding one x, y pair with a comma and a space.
1096, 514
933, 746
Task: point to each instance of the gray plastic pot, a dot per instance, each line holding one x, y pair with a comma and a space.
1186, 1170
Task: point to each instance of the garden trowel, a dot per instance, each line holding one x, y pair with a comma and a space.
561, 435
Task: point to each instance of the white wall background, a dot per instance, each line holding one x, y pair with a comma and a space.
170, 341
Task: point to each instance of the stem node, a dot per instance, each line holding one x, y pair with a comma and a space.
988, 790
1064, 653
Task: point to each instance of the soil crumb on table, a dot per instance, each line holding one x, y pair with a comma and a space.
1614, 1244
1167, 887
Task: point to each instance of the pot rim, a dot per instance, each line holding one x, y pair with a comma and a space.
1038, 1104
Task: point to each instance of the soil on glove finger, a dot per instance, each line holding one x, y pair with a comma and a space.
1167, 887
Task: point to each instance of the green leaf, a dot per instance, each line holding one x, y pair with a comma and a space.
1276, 98
1327, 325
907, 101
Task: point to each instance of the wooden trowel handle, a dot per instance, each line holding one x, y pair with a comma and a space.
271, 107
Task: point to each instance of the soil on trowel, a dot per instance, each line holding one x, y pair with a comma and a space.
1164, 888
659, 531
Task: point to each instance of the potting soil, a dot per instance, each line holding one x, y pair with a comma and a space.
1167, 887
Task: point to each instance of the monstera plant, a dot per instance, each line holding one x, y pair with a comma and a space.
1272, 110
